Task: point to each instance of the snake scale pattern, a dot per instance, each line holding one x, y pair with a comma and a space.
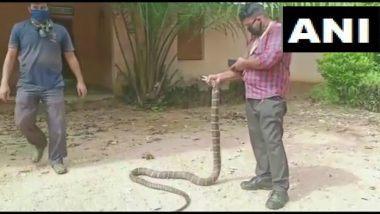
184, 175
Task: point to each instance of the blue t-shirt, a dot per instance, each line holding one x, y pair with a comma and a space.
40, 58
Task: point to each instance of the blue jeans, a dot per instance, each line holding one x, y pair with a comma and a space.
27, 101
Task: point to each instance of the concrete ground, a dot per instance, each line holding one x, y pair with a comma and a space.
333, 155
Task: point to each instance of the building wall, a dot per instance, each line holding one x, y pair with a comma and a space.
219, 47
91, 33
118, 64
98, 50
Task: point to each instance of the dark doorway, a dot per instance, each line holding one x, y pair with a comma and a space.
67, 22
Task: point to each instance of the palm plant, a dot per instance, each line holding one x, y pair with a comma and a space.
152, 28
151, 32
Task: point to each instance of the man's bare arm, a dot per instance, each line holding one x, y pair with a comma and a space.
8, 66
230, 75
74, 65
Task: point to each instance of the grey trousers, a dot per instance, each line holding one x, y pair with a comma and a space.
27, 102
265, 124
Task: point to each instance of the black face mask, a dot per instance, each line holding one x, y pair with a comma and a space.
255, 31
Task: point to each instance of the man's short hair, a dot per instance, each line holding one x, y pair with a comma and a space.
250, 9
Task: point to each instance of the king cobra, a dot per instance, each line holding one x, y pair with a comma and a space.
184, 175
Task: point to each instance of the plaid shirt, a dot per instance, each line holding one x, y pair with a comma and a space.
273, 79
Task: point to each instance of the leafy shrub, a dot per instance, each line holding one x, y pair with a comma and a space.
351, 78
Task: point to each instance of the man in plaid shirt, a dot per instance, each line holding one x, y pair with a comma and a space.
266, 76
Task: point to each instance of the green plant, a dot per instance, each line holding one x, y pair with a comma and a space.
369, 91
351, 78
186, 97
344, 71
151, 32
324, 94
147, 31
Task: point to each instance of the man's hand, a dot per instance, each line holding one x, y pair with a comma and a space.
81, 89
240, 65
212, 79
4, 92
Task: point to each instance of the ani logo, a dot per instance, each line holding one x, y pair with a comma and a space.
331, 29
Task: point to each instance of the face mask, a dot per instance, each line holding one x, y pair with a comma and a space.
40, 15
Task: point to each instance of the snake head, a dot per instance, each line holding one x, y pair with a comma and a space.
210, 82
205, 79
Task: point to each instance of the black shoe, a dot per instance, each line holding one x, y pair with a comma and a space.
38, 153
58, 167
277, 200
256, 183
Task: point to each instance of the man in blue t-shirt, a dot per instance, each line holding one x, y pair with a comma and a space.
39, 44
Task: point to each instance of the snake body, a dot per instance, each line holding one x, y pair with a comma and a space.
184, 175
